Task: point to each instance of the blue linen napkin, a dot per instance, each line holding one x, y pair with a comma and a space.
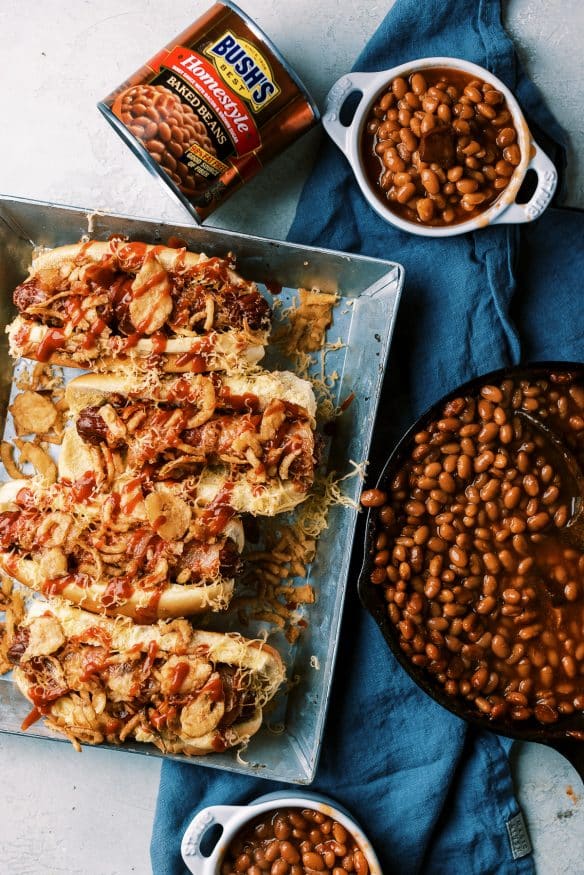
435, 795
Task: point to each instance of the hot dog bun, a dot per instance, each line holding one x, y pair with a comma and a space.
221, 352
265, 386
189, 691
67, 259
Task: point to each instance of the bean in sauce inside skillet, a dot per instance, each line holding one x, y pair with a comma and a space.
294, 841
485, 593
439, 146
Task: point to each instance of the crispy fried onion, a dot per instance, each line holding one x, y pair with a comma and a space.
276, 575
29, 453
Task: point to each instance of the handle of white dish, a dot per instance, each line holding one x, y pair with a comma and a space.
190, 847
335, 99
547, 180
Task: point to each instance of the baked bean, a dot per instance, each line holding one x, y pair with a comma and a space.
400, 179
506, 137
430, 181
538, 521
297, 820
406, 193
486, 110
531, 485
409, 139
392, 160
500, 646
373, 498
572, 591
470, 201
418, 84
386, 181
444, 113
380, 544
243, 863
512, 154
504, 168
312, 860
473, 93
272, 851
446, 482
561, 516
493, 97
546, 713
399, 87
360, 863
425, 209
289, 853
382, 558
467, 186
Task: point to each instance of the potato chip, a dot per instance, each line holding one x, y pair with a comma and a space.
169, 514
152, 303
33, 413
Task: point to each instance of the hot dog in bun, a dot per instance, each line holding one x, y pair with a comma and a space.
254, 433
97, 679
100, 305
144, 552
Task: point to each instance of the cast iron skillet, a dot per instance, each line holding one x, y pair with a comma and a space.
559, 736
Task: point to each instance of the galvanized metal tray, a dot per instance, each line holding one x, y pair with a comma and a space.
363, 321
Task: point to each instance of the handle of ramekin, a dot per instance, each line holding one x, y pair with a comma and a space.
335, 99
547, 180
190, 846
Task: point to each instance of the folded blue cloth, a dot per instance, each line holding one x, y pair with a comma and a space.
435, 795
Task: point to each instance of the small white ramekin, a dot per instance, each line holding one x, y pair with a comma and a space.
233, 817
502, 211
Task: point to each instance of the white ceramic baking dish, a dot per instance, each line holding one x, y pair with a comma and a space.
233, 817
502, 211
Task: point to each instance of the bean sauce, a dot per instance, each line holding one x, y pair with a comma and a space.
439, 147
294, 841
481, 584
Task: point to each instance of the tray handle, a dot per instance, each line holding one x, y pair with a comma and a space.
190, 846
335, 99
547, 180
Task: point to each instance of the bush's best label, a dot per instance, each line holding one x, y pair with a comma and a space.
246, 71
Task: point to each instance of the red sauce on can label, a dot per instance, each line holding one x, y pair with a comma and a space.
211, 108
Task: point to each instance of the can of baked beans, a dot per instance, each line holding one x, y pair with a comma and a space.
211, 108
